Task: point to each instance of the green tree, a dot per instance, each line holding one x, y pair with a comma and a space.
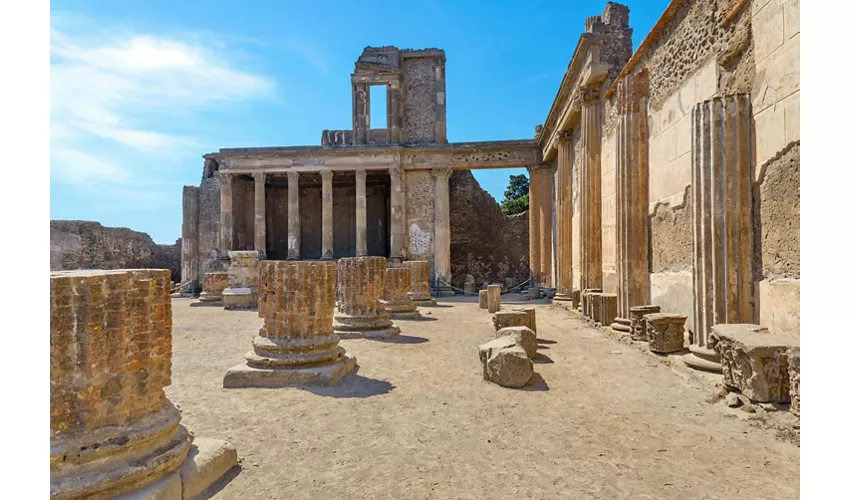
516, 196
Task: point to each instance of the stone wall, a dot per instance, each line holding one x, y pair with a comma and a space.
76, 244
420, 215
420, 105
484, 242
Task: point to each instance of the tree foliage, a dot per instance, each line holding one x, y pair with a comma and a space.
516, 195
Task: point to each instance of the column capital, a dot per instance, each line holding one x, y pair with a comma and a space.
224, 177
259, 177
590, 93
564, 137
292, 176
441, 172
327, 174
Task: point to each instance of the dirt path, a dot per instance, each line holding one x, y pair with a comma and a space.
416, 420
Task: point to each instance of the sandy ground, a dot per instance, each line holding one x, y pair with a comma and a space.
601, 420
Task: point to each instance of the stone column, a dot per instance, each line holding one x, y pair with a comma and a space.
327, 215
398, 207
396, 299
420, 274
442, 235
190, 242
533, 224
214, 285
721, 181
260, 213
360, 211
360, 113
494, 298
545, 207
591, 188
632, 198
242, 280
226, 238
294, 240
112, 430
296, 343
564, 211
361, 314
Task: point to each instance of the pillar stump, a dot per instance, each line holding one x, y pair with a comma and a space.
243, 276
483, 302
420, 274
361, 314
296, 344
607, 308
494, 298
214, 284
396, 301
665, 332
637, 323
586, 306
576, 299
112, 430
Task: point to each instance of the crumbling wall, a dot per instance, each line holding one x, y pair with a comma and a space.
484, 242
209, 225
77, 244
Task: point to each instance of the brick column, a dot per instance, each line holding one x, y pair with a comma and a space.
632, 198
442, 235
420, 274
721, 150
564, 210
361, 314
327, 215
360, 213
260, 213
396, 299
591, 188
397, 214
226, 237
294, 240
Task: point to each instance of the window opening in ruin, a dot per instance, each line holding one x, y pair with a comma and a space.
378, 106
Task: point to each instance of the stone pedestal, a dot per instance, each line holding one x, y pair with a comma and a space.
586, 306
396, 299
243, 276
665, 332
483, 302
214, 284
507, 319
576, 299
494, 298
532, 317
793, 354
296, 344
420, 274
754, 361
638, 322
113, 433
361, 314
607, 308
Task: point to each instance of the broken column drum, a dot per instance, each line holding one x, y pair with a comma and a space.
637, 323
494, 298
112, 430
483, 302
214, 284
420, 273
722, 221
396, 300
296, 343
243, 276
665, 332
361, 314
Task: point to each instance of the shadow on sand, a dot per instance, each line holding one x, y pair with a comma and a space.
541, 359
544, 341
423, 318
352, 386
403, 339
536, 383
213, 489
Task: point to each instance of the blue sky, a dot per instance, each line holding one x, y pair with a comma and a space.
141, 89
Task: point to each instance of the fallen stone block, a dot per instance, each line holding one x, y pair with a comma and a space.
753, 361
523, 336
208, 460
532, 318
504, 319
504, 362
665, 332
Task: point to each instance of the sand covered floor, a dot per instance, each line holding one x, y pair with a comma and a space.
415, 420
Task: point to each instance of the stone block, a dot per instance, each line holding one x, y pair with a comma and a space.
607, 308
532, 317
505, 319
214, 284
753, 361
576, 299
168, 488
505, 363
494, 298
239, 298
638, 322
208, 460
523, 336
665, 332
793, 354
483, 303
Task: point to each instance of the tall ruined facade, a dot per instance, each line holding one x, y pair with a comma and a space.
677, 168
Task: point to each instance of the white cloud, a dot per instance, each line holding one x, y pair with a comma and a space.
118, 94
303, 49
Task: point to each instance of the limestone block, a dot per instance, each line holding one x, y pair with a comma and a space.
607, 308
483, 302
532, 317
361, 313
505, 363
637, 315
793, 354
244, 270
494, 298
396, 300
594, 304
208, 460
239, 298
665, 332
523, 336
505, 319
753, 361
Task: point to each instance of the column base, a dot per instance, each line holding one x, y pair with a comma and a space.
369, 327
622, 325
425, 302
702, 358
208, 460
239, 298
327, 257
243, 375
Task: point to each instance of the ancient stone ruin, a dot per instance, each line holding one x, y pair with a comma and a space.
243, 276
213, 285
419, 290
396, 300
361, 313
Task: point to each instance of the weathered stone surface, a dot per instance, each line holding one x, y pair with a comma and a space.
243, 277
523, 336
753, 361
297, 343
112, 430
212, 286
638, 323
576, 296
494, 298
793, 354
607, 308
505, 319
208, 460
483, 301
505, 363
420, 275
360, 283
586, 306
665, 332
396, 298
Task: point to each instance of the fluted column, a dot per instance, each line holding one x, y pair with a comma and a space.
226, 235
294, 240
397, 213
632, 198
360, 212
545, 207
327, 215
533, 223
722, 220
442, 235
591, 189
360, 283
564, 218
260, 213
